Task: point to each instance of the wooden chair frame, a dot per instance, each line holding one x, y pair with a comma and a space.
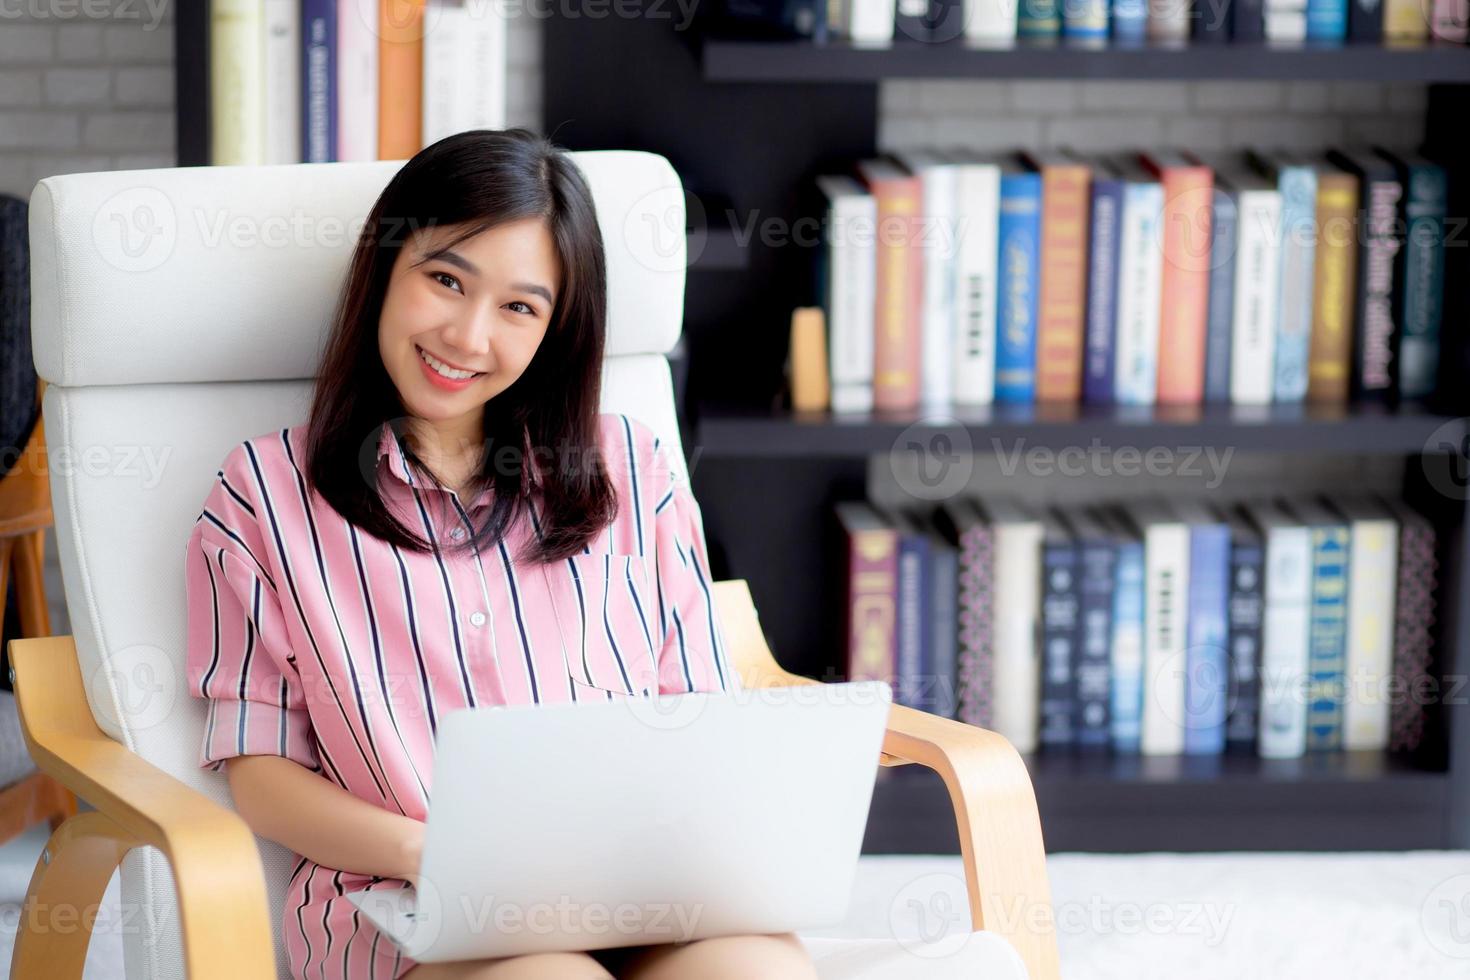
223, 907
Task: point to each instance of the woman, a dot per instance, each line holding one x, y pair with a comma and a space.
454, 526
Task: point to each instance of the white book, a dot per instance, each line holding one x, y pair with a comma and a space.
237, 82
1286, 25
1257, 289
976, 273
1017, 621
1168, 20
1140, 290
357, 79
870, 22
938, 185
465, 79
852, 256
990, 20
283, 81
1165, 625
1285, 632
1373, 563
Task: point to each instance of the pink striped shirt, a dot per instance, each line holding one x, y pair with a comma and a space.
313, 640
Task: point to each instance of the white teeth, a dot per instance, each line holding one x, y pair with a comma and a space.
444, 369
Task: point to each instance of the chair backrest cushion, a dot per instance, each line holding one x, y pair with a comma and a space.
176, 313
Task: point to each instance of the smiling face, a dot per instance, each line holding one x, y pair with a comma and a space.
460, 325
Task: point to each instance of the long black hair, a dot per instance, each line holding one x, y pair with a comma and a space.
478, 179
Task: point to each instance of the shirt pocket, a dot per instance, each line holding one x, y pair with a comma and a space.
614, 617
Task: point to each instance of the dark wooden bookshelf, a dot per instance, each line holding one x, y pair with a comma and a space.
838, 61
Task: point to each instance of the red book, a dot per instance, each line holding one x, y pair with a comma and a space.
872, 592
1186, 231
1061, 313
899, 292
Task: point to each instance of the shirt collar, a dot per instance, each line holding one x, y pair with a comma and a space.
391, 447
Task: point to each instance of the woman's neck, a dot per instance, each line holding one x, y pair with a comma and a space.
452, 450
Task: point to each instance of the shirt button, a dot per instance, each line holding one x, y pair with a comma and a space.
477, 618
458, 535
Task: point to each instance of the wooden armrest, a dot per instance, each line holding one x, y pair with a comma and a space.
223, 906
995, 806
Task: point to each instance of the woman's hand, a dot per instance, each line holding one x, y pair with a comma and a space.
412, 845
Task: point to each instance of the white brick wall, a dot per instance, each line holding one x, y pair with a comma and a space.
1105, 116
80, 93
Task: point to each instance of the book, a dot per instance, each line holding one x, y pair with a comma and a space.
872, 592
1220, 310
1365, 21
870, 23
1448, 20
1206, 660
1373, 550
1140, 285
1380, 239
1126, 655
1166, 606
1256, 286
1060, 608
964, 523
1327, 20
465, 65
319, 80
400, 78
1063, 292
1247, 616
898, 294
1017, 621
914, 620
357, 79
938, 694
237, 84
282, 100
1247, 20
1209, 22
1419, 273
1329, 357
846, 283
1414, 627
1297, 181
1019, 272
1168, 21
1405, 20
1097, 556
976, 274
989, 20
1099, 355
1129, 22
1085, 20
1039, 19
938, 214
1283, 707
1327, 623
1186, 234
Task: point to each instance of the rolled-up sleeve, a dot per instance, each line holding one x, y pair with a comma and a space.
239, 656
693, 655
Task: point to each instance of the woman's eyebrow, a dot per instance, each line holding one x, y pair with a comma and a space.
448, 254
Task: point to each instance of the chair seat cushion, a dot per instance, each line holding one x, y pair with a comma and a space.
978, 956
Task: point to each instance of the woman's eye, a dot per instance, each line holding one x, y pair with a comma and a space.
524, 306
439, 277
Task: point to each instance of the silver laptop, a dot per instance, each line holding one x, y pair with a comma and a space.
640, 820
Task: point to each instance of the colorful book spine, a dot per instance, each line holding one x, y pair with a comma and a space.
1327, 637
1327, 20
237, 82
1063, 297
1221, 307
1404, 20
357, 80
1019, 274
976, 656
1130, 22
913, 619
1060, 604
1247, 614
1186, 284
1102, 290
1085, 20
319, 80
975, 282
1168, 21
1166, 554
1206, 659
1329, 362
990, 20
1413, 629
1092, 669
1140, 292
1421, 278
845, 285
1372, 577
1257, 291
1365, 21
872, 594
940, 189
898, 295
283, 49
1448, 20
1298, 253
1039, 19
1127, 651
1017, 626
1379, 242
1283, 731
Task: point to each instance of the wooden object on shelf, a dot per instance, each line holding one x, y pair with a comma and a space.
810, 389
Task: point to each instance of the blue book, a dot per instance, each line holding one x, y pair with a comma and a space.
1297, 181
1102, 284
1126, 655
1019, 248
1327, 20
1130, 21
1221, 308
1247, 618
1060, 605
1419, 273
319, 81
912, 619
1327, 624
940, 692
1085, 20
1039, 19
1206, 663
1097, 555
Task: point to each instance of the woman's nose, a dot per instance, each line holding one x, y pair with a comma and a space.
470, 334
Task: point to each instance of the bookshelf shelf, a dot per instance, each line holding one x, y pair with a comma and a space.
1276, 428
1348, 801
802, 61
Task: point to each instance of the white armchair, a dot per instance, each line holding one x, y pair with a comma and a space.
179, 311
